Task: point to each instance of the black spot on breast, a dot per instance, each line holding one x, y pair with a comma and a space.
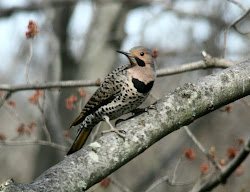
105, 88
140, 62
142, 87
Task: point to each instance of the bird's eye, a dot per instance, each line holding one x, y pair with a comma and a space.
141, 53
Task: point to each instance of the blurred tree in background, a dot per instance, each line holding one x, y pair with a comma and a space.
77, 40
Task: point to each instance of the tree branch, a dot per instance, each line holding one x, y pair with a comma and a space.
203, 150
35, 142
238, 4
227, 171
233, 25
38, 5
34, 5
208, 62
97, 160
49, 85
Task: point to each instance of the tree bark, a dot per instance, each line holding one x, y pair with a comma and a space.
105, 35
90, 165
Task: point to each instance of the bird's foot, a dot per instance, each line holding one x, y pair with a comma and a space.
121, 133
153, 107
139, 111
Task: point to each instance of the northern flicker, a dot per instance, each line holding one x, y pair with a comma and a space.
122, 91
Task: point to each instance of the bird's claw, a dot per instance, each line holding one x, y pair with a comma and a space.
153, 107
121, 133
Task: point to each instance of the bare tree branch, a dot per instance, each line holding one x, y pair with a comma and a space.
44, 126
192, 15
4, 98
29, 61
208, 62
49, 85
233, 25
238, 4
203, 64
190, 134
119, 184
227, 171
36, 5
97, 160
34, 142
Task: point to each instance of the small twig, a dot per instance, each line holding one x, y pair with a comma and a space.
165, 178
227, 171
245, 102
29, 61
199, 145
233, 25
193, 15
238, 4
33, 142
117, 183
175, 170
203, 64
41, 109
49, 85
69, 140
13, 113
34, 5
5, 97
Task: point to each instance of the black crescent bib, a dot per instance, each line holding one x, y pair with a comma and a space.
142, 87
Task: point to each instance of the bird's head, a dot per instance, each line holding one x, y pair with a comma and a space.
140, 56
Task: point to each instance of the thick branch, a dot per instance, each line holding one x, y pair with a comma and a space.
94, 162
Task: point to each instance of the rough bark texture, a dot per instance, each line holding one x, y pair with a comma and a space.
88, 166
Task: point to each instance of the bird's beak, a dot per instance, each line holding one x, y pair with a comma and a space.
127, 53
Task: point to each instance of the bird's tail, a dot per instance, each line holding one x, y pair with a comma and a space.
80, 140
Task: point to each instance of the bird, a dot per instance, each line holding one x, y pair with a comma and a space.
121, 91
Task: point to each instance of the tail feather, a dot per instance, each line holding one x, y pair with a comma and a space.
78, 120
80, 140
